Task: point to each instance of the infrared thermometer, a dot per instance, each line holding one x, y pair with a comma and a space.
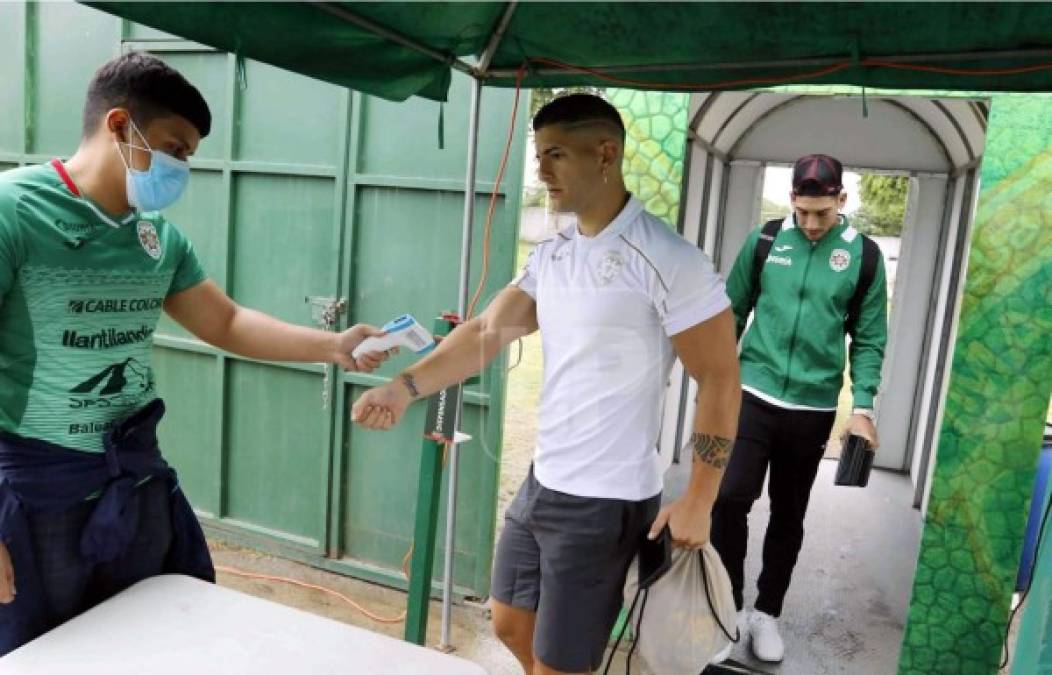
401, 332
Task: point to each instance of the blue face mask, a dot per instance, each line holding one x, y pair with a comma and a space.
160, 185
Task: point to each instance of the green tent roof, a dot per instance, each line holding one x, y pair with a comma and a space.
398, 50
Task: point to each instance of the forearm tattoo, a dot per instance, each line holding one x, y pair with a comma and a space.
410, 384
712, 450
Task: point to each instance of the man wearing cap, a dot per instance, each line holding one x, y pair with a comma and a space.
808, 281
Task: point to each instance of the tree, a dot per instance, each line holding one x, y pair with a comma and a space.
533, 195
770, 210
883, 209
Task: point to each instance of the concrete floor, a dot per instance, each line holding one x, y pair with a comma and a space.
847, 606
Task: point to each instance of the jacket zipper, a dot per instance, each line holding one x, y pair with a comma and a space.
796, 323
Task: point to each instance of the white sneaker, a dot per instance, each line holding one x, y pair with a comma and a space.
725, 653
767, 644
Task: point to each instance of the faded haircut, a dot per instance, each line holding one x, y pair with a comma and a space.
578, 111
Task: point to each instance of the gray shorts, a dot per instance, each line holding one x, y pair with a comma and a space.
566, 558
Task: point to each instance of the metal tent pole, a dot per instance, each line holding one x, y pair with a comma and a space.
462, 305
465, 279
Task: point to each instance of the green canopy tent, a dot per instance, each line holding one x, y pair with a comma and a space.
399, 50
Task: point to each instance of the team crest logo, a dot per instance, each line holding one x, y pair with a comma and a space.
839, 260
148, 238
609, 267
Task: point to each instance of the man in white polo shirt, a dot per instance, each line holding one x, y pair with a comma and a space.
617, 298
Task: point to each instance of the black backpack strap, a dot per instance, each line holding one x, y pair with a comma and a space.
868, 270
760, 253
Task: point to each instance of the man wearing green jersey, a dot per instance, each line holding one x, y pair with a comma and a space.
807, 281
87, 264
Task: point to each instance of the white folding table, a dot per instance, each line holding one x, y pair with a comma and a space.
177, 625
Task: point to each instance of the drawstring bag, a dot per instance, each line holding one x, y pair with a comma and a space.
681, 620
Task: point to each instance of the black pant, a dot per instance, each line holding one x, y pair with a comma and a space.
792, 442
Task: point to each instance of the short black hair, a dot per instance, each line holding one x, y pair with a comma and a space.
578, 109
149, 88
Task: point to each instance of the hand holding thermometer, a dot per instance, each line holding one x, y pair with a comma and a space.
401, 332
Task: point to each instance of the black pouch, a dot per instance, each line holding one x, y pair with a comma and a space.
655, 558
856, 461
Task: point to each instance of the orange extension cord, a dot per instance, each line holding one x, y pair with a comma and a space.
302, 584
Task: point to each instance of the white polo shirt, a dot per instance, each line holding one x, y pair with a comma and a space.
606, 307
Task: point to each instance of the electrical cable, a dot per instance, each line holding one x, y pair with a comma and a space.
302, 584
1026, 591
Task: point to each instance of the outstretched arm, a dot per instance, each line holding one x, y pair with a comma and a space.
207, 312
511, 315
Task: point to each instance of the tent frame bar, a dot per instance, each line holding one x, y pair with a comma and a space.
476, 72
495, 38
386, 33
504, 73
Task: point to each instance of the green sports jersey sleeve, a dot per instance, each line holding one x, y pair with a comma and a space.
10, 249
739, 283
188, 272
866, 354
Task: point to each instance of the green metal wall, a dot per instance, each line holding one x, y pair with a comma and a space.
303, 189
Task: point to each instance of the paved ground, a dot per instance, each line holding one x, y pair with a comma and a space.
846, 609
